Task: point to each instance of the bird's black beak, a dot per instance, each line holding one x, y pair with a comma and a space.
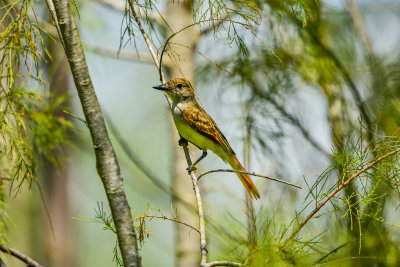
161, 87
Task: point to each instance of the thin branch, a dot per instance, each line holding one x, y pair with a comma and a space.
147, 40
53, 14
169, 219
176, 33
334, 192
330, 253
29, 262
106, 160
203, 243
249, 173
224, 263
48, 28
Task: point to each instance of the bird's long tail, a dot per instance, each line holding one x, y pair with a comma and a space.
247, 182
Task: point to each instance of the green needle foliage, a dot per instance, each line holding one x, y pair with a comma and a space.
29, 130
276, 245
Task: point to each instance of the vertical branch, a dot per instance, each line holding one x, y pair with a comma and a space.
106, 160
186, 250
251, 220
202, 225
147, 40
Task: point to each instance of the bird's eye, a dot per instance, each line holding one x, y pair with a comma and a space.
179, 85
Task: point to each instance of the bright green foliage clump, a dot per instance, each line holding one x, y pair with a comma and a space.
29, 129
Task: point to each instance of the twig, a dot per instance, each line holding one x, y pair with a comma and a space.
169, 219
53, 14
334, 192
147, 40
331, 252
203, 243
224, 263
29, 262
249, 173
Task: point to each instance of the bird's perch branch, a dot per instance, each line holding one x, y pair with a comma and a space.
249, 173
202, 224
334, 192
203, 244
29, 262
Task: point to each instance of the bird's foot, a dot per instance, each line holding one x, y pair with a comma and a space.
182, 142
191, 169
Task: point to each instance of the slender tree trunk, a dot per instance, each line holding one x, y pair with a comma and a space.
106, 161
178, 15
251, 218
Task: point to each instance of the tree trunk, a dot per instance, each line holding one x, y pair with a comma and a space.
106, 160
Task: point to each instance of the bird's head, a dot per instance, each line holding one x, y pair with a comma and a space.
178, 89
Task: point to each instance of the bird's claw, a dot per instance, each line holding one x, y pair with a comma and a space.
191, 169
182, 142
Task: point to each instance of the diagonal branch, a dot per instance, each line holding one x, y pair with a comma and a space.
29, 262
147, 40
106, 160
249, 173
334, 192
169, 219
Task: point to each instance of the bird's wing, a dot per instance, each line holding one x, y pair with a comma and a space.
200, 121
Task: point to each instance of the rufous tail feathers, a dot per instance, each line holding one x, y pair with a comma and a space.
247, 182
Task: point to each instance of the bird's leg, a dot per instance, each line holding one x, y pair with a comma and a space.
182, 141
192, 167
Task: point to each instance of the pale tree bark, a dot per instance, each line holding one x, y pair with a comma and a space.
106, 161
178, 16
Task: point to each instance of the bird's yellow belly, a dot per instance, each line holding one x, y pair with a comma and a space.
199, 140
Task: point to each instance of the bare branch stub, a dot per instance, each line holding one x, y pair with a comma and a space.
15, 253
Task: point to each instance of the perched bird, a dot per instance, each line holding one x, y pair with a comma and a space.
197, 127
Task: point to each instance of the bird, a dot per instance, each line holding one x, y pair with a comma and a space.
196, 126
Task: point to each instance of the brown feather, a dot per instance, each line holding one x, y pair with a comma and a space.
200, 121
